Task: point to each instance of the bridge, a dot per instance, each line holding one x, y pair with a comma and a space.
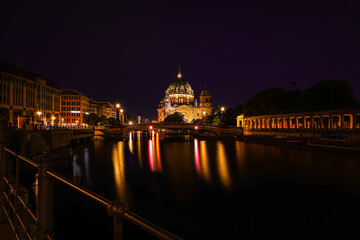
190, 128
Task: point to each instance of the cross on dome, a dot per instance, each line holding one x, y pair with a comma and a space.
179, 74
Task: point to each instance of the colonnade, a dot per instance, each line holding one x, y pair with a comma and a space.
339, 119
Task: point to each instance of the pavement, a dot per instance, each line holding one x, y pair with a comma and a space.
6, 232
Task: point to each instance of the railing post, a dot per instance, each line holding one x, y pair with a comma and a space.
45, 200
3, 173
117, 210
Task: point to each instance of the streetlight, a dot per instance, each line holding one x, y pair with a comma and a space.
204, 113
52, 120
38, 113
222, 115
122, 116
117, 114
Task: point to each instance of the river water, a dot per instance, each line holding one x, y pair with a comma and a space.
220, 189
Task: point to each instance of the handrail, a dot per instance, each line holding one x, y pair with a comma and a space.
118, 212
22, 157
132, 217
149, 226
103, 201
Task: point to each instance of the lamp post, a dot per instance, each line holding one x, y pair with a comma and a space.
52, 120
204, 114
222, 109
117, 114
39, 115
122, 116
130, 124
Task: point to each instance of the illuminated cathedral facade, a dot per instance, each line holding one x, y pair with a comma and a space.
179, 97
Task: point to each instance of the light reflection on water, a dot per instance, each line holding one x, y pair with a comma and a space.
197, 157
204, 159
145, 172
223, 166
227, 164
119, 161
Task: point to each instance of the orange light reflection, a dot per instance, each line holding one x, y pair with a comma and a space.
119, 170
131, 143
139, 149
204, 161
223, 166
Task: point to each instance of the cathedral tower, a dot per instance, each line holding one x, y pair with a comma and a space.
205, 98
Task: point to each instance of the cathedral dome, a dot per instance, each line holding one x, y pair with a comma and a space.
179, 86
180, 92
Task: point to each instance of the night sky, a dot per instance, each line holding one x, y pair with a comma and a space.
130, 52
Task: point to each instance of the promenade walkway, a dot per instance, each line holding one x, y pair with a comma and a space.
6, 232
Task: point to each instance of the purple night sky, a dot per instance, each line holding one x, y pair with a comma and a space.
130, 52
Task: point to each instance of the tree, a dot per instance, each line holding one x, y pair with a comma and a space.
176, 117
231, 114
196, 121
104, 120
112, 121
324, 95
271, 101
216, 120
328, 95
91, 119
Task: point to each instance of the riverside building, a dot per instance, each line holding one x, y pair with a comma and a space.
27, 97
74, 105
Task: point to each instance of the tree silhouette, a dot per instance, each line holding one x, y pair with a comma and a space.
325, 95
176, 117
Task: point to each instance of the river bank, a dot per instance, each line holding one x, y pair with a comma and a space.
319, 143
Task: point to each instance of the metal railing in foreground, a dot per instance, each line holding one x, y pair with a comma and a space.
28, 225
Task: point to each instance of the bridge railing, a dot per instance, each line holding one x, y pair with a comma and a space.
26, 224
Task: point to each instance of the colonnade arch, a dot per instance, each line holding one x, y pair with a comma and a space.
334, 119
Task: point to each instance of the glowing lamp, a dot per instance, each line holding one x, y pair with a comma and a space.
53, 118
196, 127
121, 110
38, 113
130, 123
117, 105
150, 127
222, 109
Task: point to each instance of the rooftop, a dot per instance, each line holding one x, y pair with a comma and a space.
20, 72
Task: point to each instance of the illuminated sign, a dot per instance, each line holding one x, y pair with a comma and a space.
75, 112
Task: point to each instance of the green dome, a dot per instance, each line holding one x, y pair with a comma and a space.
179, 86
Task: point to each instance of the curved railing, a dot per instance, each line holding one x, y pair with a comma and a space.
15, 208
